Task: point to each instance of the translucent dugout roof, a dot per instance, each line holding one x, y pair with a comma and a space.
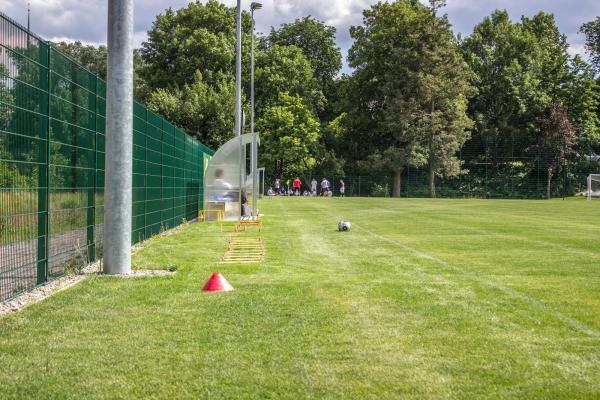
224, 176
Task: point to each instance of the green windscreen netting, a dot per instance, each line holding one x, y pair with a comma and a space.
52, 127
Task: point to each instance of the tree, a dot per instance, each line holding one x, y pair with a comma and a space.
442, 80
6, 98
436, 5
95, 59
329, 161
10, 175
384, 135
591, 30
290, 137
90, 57
316, 40
520, 69
199, 37
285, 69
556, 141
415, 88
202, 109
141, 89
16, 119
188, 65
355, 132
504, 60
581, 92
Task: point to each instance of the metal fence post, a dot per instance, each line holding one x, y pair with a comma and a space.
145, 173
44, 182
566, 183
359, 186
537, 184
91, 195
407, 181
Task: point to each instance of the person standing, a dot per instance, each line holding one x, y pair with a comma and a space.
277, 185
342, 188
297, 184
324, 187
313, 187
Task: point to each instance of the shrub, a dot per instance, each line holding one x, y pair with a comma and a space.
380, 190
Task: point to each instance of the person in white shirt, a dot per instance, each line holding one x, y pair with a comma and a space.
324, 187
221, 183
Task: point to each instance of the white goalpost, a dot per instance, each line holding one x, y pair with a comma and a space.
593, 186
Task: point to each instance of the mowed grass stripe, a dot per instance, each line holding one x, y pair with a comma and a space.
470, 307
374, 361
470, 217
328, 315
461, 238
554, 277
475, 276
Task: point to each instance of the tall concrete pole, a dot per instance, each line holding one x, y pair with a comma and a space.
254, 144
238, 98
254, 6
28, 24
119, 139
238, 71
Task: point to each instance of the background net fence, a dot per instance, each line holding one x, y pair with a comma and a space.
593, 190
512, 178
52, 130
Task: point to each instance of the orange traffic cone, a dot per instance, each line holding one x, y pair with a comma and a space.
217, 283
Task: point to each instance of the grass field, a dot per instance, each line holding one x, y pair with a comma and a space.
421, 299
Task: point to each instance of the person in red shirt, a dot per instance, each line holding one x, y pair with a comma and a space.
297, 184
342, 188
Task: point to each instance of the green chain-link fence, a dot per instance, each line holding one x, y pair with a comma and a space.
52, 127
516, 178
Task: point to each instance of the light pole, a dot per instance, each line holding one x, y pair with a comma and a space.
238, 71
119, 139
254, 6
238, 99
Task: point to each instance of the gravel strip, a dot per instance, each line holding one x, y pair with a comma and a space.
40, 293
146, 272
55, 286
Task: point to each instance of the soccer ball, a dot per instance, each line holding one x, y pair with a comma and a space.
344, 226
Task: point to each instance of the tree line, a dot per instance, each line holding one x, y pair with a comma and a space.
509, 95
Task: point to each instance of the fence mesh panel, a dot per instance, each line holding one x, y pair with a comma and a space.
515, 178
52, 136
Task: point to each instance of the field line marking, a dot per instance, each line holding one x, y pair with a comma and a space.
504, 289
521, 238
573, 323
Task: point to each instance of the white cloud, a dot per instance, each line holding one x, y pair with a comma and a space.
577, 49
86, 20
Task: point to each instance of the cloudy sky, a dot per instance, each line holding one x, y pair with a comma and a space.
85, 20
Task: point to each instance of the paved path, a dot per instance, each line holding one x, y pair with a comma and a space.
18, 261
